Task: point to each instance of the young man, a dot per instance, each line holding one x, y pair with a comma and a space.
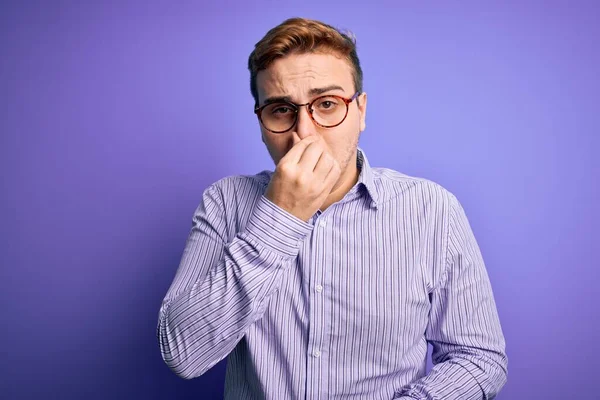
327, 277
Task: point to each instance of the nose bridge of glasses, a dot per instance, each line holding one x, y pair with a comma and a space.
305, 105
309, 114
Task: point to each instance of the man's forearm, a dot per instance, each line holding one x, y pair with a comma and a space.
461, 377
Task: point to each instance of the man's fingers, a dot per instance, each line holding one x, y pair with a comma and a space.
294, 154
311, 156
323, 166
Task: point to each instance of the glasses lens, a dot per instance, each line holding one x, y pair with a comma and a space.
329, 110
278, 117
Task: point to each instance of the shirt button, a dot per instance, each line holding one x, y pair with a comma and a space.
317, 353
319, 288
323, 223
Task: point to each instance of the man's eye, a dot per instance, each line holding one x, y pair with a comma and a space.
327, 104
281, 110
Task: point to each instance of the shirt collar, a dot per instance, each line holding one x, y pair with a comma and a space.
366, 175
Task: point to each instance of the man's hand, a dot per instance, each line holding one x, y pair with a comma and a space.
304, 178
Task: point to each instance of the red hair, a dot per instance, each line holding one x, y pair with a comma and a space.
300, 35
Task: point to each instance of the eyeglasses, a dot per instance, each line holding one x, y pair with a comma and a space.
326, 111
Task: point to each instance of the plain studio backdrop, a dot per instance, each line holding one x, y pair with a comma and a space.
115, 116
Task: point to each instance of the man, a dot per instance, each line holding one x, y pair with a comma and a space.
327, 278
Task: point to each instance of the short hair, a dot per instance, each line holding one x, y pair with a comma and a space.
300, 36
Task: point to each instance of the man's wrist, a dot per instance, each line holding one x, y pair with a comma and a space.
277, 229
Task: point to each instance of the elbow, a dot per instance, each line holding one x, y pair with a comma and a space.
182, 373
488, 370
496, 376
177, 361
174, 353
502, 373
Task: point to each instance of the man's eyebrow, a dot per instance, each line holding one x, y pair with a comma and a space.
325, 89
312, 92
277, 99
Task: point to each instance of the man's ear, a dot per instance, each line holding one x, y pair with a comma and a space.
362, 109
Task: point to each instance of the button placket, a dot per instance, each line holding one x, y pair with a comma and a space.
316, 333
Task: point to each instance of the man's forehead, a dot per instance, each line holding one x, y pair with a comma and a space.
303, 73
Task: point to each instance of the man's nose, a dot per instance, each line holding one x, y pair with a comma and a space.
304, 124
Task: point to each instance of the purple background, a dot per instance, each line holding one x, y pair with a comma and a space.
115, 117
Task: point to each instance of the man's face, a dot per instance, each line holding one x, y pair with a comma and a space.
295, 76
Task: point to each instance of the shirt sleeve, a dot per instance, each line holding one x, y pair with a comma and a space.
464, 329
221, 287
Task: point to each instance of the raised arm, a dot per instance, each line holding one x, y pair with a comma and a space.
221, 287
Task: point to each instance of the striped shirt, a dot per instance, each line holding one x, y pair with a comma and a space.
339, 307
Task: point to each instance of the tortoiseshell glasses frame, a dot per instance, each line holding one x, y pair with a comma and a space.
296, 107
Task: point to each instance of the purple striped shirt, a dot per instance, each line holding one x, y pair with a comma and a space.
339, 307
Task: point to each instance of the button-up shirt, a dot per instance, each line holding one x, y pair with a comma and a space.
340, 307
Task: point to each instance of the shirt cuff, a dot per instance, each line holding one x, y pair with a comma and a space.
277, 229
